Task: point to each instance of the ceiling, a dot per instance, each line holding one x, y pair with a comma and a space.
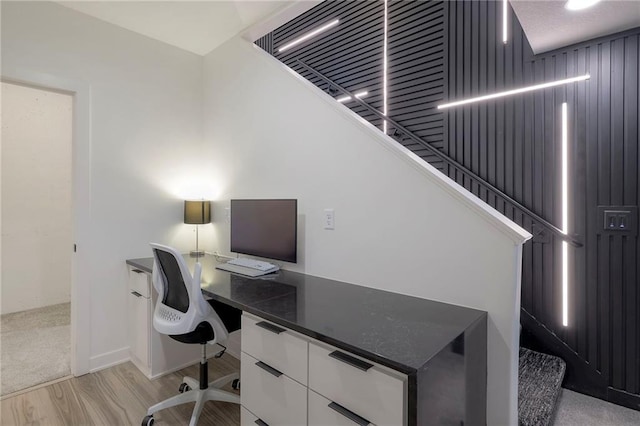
201, 26
548, 25
195, 26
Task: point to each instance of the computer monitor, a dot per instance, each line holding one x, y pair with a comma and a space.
265, 228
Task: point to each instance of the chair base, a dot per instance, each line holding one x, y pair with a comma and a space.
199, 396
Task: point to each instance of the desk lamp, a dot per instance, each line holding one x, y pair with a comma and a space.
197, 213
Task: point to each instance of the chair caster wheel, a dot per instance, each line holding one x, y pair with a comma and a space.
184, 388
148, 421
235, 384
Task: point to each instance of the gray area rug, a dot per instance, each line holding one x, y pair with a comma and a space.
35, 347
539, 385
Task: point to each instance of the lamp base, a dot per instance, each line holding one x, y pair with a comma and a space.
196, 253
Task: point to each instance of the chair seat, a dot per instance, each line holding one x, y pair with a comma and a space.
202, 334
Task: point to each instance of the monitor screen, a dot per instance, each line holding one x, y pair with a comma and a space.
265, 228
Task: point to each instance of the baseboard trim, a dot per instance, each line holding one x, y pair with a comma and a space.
109, 359
174, 369
580, 375
626, 399
211, 352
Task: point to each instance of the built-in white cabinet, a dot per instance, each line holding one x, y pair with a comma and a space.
282, 349
292, 379
371, 391
324, 412
139, 312
153, 353
247, 418
271, 395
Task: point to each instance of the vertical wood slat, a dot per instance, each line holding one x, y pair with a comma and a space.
445, 85
604, 198
459, 41
592, 239
637, 274
632, 307
579, 205
616, 100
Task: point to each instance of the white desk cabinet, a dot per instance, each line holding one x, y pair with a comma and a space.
291, 379
333, 353
153, 353
355, 386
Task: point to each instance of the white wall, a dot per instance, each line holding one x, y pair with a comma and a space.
267, 134
145, 101
36, 198
399, 224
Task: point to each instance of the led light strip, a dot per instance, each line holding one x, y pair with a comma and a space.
357, 95
565, 217
504, 21
384, 68
309, 35
515, 91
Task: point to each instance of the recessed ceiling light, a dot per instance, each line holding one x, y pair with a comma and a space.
580, 4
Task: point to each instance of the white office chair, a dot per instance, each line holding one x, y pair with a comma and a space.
182, 313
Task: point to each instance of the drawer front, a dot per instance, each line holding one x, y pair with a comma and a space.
323, 412
139, 328
282, 349
248, 419
139, 282
369, 390
275, 400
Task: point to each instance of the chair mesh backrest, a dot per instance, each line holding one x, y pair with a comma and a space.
175, 290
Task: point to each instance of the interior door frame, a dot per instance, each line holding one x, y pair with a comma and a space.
80, 208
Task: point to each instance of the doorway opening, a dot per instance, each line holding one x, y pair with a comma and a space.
36, 236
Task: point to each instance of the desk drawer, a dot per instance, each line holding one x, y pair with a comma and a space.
323, 412
139, 282
372, 391
275, 400
272, 344
248, 419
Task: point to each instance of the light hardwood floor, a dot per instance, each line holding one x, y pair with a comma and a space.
118, 395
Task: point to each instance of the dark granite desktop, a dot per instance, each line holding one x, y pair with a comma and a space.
441, 347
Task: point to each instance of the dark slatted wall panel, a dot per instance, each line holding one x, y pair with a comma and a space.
416, 70
514, 143
266, 43
448, 50
349, 54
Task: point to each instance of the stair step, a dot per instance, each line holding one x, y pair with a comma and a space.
539, 386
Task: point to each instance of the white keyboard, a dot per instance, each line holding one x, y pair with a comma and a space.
252, 263
249, 267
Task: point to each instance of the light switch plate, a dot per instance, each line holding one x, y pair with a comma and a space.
618, 220
329, 219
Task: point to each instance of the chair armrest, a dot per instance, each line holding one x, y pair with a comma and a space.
155, 279
196, 289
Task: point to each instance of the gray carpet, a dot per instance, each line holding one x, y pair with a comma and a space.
35, 347
539, 380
